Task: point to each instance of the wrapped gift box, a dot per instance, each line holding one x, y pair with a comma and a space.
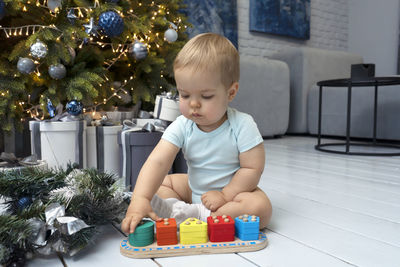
179, 165
17, 142
135, 146
166, 108
102, 148
63, 142
120, 116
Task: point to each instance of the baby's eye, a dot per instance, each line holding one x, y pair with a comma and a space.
184, 96
208, 96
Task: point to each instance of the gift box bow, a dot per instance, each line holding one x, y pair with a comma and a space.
47, 235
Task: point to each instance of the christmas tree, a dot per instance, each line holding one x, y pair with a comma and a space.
101, 53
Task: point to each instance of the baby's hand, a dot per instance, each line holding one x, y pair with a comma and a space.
137, 210
213, 200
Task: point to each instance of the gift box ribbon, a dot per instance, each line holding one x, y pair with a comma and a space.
79, 144
35, 139
45, 235
100, 148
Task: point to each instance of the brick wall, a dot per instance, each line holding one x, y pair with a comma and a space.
328, 29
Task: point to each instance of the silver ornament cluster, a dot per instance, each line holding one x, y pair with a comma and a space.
138, 50
57, 71
25, 65
39, 49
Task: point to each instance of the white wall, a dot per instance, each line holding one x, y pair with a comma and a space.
374, 33
369, 28
328, 29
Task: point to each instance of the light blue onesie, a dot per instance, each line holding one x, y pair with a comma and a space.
213, 157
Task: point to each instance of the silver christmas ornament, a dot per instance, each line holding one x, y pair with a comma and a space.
91, 28
25, 65
53, 5
171, 35
71, 16
138, 50
57, 71
39, 49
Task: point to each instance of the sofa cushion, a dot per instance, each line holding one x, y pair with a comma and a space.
264, 94
307, 66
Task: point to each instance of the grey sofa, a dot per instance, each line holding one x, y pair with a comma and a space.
308, 66
264, 94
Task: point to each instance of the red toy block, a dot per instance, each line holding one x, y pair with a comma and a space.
166, 232
221, 228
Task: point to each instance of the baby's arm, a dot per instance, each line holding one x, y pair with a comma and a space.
245, 179
149, 180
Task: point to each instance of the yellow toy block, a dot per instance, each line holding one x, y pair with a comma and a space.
193, 231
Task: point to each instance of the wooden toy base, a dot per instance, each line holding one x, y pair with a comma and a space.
155, 251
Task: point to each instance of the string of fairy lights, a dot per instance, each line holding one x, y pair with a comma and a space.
122, 49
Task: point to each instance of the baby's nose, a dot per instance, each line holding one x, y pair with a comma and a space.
194, 103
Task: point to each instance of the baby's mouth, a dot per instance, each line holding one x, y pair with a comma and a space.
196, 115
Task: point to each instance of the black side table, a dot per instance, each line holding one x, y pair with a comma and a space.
372, 81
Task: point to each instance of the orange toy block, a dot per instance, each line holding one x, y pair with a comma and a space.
221, 228
166, 232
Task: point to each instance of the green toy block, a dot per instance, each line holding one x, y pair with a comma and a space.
143, 235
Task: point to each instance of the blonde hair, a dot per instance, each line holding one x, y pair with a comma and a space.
210, 52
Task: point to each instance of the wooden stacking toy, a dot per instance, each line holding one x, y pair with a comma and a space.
196, 237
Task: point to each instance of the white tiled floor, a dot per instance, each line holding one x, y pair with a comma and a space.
329, 210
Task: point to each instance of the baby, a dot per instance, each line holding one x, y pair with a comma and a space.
223, 147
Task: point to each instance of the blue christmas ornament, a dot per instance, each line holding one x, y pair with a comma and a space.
111, 23
74, 107
50, 108
2, 9
24, 202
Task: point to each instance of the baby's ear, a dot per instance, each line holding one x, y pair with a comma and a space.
232, 91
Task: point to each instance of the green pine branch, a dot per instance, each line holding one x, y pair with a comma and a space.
15, 232
32, 182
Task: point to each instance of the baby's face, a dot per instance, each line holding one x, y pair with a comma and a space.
203, 98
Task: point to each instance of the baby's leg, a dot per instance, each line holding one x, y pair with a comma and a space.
173, 200
176, 186
251, 203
